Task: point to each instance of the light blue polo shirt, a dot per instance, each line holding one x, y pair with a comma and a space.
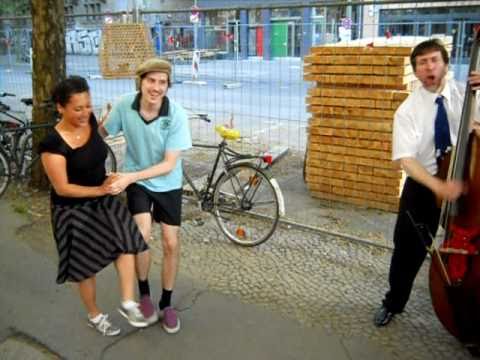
148, 141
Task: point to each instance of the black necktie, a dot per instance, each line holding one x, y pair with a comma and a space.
443, 143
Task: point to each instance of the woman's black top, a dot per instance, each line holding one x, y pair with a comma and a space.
85, 164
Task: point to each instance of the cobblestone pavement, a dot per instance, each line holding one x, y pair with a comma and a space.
316, 280
312, 277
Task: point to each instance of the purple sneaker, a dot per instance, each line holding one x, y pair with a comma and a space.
171, 322
148, 310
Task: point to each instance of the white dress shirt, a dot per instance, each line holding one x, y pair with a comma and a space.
413, 125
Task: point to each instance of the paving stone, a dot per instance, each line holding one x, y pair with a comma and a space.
318, 281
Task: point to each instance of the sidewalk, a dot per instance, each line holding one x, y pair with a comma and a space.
40, 320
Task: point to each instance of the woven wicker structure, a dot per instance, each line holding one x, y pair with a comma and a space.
122, 48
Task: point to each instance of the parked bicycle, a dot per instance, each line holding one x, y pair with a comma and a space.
17, 156
244, 198
9, 120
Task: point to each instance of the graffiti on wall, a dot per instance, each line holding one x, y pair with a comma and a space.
17, 43
82, 41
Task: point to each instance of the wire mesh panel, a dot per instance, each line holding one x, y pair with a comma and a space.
122, 48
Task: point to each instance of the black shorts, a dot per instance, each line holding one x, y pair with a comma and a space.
165, 207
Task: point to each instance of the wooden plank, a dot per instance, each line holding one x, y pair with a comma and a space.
362, 50
354, 185
362, 124
318, 157
397, 82
356, 103
343, 150
356, 93
386, 173
348, 102
359, 176
356, 60
351, 113
391, 173
353, 134
358, 69
352, 143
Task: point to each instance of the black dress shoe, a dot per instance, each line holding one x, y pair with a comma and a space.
473, 349
383, 316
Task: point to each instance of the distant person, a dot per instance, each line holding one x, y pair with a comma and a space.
91, 227
156, 130
420, 140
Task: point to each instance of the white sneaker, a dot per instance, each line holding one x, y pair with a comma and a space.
133, 315
104, 326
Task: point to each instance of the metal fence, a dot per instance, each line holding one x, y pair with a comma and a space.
264, 95
266, 98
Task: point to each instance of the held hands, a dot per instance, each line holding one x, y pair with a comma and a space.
106, 185
117, 182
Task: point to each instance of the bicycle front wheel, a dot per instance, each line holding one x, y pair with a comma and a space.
4, 172
246, 205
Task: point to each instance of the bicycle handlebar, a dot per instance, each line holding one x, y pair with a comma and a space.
3, 94
204, 117
201, 116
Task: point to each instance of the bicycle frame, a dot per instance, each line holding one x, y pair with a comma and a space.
18, 151
229, 157
4, 110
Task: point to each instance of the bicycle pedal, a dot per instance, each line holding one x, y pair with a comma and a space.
198, 222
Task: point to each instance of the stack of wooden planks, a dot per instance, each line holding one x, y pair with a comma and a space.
358, 89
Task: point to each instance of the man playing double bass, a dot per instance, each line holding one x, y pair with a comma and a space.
425, 128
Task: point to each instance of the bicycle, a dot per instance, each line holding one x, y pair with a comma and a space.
9, 120
244, 198
18, 157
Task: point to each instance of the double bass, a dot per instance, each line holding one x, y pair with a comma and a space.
454, 276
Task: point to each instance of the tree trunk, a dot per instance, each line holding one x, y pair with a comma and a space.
48, 59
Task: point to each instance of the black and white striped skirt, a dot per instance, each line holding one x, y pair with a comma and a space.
91, 235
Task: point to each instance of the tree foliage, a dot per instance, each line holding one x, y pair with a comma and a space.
14, 8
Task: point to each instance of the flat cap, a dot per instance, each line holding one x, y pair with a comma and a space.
152, 65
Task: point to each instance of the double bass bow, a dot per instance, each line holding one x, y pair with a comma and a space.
454, 276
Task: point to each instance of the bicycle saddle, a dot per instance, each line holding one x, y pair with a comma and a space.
226, 133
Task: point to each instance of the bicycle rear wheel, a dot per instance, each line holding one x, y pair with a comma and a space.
4, 172
246, 206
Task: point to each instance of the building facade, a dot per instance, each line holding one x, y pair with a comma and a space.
250, 28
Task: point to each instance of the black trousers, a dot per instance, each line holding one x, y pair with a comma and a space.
409, 249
